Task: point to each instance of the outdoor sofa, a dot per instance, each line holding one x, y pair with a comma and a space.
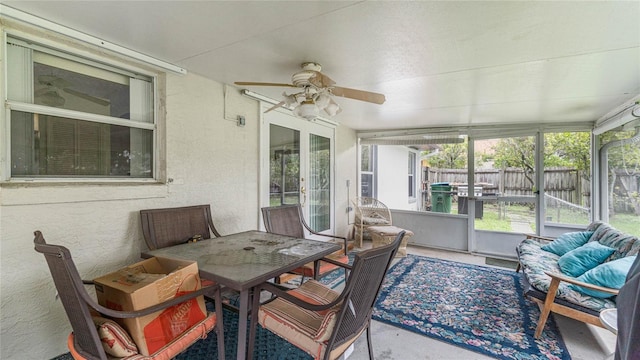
555, 291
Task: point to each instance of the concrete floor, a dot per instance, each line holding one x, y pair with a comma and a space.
584, 342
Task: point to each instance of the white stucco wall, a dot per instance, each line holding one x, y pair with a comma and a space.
207, 156
346, 166
392, 175
209, 160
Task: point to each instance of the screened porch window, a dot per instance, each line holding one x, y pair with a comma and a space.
74, 118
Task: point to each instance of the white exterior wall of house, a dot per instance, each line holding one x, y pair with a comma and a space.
392, 172
346, 171
209, 159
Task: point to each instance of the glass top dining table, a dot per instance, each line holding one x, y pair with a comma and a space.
243, 260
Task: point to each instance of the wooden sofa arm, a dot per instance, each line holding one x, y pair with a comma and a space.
557, 277
538, 237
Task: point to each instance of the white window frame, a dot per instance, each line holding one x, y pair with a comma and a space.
411, 176
63, 50
373, 153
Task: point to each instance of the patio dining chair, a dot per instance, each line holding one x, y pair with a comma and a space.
319, 320
369, 212
177, 225
288, 220
85, 340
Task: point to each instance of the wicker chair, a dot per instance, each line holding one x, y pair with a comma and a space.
172, 226
288, 220
321, 321
85, 342
369, 212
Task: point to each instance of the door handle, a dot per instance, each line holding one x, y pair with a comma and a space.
303, 192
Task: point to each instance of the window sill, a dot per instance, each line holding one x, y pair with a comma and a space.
31, 193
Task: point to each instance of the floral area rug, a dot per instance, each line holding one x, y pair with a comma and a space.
475, 307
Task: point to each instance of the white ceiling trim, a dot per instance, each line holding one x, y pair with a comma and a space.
9, 12
629, 112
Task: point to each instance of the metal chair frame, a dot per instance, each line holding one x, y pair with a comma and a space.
356, 301
288, 220
78, 303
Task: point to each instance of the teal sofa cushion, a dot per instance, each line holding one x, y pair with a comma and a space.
611, 274
576, 262
567, 242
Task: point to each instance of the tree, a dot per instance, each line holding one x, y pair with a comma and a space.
517, 153
569, 149
450, 156
623, 163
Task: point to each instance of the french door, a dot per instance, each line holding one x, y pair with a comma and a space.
298, 167
505, 197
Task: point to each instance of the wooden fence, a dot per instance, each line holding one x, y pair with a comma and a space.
561, 183
562, 186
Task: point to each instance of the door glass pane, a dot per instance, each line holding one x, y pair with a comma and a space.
504, 185
319, 183
623, 180
284, 173
567, 180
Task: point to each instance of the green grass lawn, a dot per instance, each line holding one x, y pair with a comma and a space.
627, 223
491, 221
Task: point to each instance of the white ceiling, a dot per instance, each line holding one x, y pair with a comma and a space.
438, 63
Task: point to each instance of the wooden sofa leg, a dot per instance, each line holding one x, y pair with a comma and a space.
518, 267
546, 309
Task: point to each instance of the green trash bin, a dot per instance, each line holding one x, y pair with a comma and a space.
441, 197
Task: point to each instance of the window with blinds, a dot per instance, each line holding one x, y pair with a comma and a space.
74, 117
412, 176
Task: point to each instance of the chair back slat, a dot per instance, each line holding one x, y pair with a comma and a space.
367, 207
69, 285
172, 226
362, 287
284, 220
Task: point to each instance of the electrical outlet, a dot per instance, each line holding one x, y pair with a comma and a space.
241, 120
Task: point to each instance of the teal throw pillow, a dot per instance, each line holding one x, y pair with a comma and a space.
567, 242
576, 262
611, 274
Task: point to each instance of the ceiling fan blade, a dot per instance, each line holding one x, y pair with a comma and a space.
321, 80
358, 94
251, 83
52, 80
43, 90
280, 104
87, 97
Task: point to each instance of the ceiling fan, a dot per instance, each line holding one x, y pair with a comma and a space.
49, 94
316, 93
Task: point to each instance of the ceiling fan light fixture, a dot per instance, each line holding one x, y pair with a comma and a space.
332, 109
307, 110
323, 101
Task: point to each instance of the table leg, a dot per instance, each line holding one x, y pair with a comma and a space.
242, 324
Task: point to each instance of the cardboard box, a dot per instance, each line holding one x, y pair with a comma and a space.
147, 283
